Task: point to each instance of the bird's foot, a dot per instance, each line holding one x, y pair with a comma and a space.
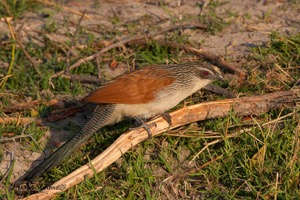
24, 188
144, 125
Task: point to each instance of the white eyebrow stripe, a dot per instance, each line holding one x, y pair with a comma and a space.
207, 69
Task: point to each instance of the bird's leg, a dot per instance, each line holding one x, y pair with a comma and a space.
142, 123
167, 117
145, 126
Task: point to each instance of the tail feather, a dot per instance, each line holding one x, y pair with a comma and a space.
103, 115
53, 160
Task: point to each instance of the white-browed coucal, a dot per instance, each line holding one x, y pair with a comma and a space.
143, 93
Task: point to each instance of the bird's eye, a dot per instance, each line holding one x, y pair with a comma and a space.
205, 73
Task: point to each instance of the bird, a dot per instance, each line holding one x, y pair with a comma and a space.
143, 93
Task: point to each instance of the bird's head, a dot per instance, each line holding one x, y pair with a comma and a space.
206, 71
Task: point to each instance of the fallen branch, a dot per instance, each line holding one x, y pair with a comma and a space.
82, 78
200, 52
27, 105
255, 105
123, 42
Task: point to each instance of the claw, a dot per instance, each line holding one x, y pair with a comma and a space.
145, 126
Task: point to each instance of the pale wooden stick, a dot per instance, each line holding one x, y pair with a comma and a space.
244, 106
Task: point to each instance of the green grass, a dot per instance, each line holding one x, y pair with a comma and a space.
215, 23
15, 8
259, 162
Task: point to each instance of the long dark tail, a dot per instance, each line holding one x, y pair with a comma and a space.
103, 115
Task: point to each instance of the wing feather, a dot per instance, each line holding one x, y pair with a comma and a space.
136, 87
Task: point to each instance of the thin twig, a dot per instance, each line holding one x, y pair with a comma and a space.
193, 169
72, 42
20, 136
64, 7
280, 118
205, 135
57, 42
28, 56
206, 146
30, 135
15, 137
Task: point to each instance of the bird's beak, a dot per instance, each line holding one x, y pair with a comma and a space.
219, 77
